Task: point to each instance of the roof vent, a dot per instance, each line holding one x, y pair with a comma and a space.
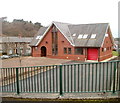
93, 36
80, 36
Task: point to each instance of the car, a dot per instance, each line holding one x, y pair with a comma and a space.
14, 55
4, 57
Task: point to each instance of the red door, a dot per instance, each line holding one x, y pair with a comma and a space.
92, 54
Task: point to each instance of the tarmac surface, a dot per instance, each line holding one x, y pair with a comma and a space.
37, 61
31, 61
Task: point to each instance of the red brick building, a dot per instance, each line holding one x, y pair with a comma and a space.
76, 42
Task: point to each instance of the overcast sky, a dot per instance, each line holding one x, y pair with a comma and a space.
70, 11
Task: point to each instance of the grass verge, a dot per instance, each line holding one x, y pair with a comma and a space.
115, 53
110, 100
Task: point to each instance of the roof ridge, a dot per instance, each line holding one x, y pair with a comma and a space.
78, 24
60, 22
87, 24
68, 30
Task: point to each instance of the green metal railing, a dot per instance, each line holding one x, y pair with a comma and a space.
70, 78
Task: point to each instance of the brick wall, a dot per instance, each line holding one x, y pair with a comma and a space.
62, 43
106, 49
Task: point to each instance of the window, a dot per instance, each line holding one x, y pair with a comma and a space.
54, 29
107, 48
79, 51
65, 50
28, 48
74, 35
110, 48
106, 35
80, 36
36, 48
38, 37
54, 43
102, 49
93, 36
69, 50
85, 36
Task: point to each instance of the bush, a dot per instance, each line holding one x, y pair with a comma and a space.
115, 53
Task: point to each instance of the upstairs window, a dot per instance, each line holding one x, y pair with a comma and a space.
106, 35
93, 36
54, 29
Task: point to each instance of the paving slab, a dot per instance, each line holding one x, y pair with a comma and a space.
64, 96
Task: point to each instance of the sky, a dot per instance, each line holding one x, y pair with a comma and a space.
68, 11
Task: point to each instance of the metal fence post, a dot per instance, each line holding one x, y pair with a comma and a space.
119, 75
61, 92
114, 77
118, 78
17, 81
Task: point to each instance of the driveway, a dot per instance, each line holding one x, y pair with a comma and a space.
37, 61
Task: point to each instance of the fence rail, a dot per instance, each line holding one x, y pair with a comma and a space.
70, 78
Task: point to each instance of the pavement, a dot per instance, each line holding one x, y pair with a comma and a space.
98, 95
112, 58
91, 61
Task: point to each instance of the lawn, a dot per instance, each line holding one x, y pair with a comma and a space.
115, 53
34, 100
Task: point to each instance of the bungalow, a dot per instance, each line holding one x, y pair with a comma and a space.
76, 42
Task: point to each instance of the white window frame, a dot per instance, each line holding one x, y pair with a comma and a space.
105, 49
38, 37
85, 36
74, 34
106, 35
36, 48
80, 36
93, 36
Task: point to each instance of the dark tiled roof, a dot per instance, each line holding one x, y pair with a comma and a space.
99, 29
15, 39
40, 33
68, 30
